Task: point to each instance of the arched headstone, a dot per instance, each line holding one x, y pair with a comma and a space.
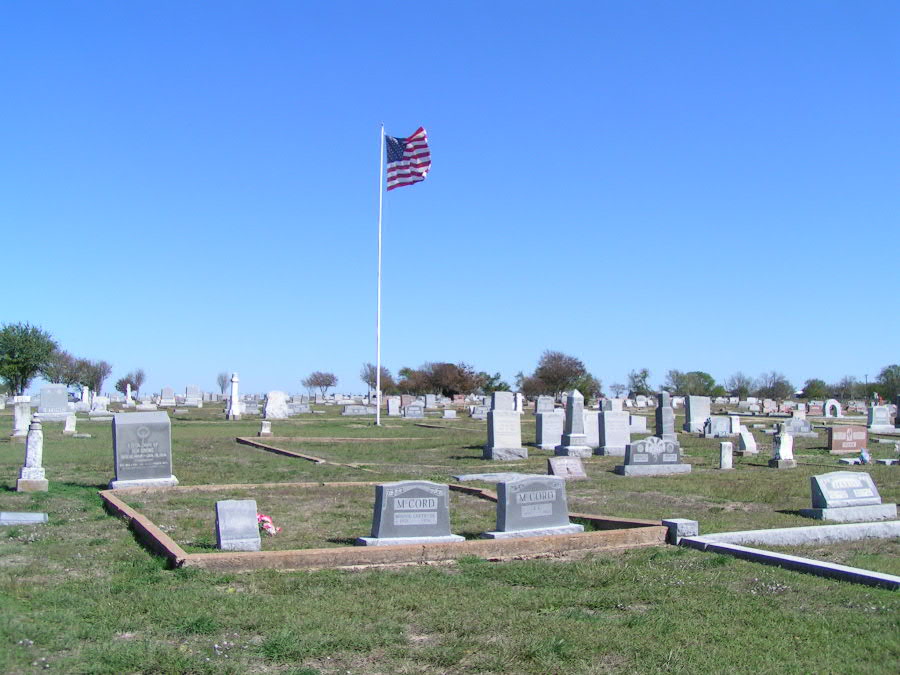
832, 408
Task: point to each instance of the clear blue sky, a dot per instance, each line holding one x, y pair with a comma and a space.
192, 187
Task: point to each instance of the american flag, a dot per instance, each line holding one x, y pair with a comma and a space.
408, 159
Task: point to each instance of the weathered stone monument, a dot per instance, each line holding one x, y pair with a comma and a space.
696, 412
544, 404
637, 424
142, 449
410, 512
567, 468
725, 455
574, 441
235, 407
847, 496
167, 398
393, 406
31, 475
843, 440
796, 426
652, 456
237, 527
591, 429
193, 398
615, 432
504, 441
717, 426
357, 410
549, 429
69, 428
747, 443
265, 428
449, 414
832, 408
879, 419
783, 452
276, 406
414, 410
129, 401
665, 417
616, 404
54, 406
21, 418
503, 400
532, 506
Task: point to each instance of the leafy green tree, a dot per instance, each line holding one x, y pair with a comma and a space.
559, 372
815, 389
889, 382
638, 382
135, 378
694, 383
25, 351
94, 373
491, 383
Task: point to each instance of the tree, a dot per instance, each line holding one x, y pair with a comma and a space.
488, 384
135, 378
588, 385
739, 385
94, 374
60, 367
532, 386
618, 389
815, 389
637, 382
413, 381
845, 388
694, 383
321, 381
367, 375
451, 378
774, 385
559, 372
889, 382
25, 350
222, 379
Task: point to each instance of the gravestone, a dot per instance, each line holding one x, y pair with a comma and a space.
798, 427
615, 432
31, 475
637, 424
544, 404
415, 411
615, 404
574, 441
193, 398
237, 526
591, 429
407, 399
355, 410
21, 419
717, 426
129, 401
54, 406
879, 419
665, 417
652, 456
832, 408
769, 406
449, 414
567, 468
725, 455
276, 406
519, 403
532, 506
504, 440
747, 443
549, 429
265, 428
69, 427
815, 409
393, 406
696, 412
783, 452
843, 440
503, 400
167, 398
410, 512
847, 496
142, 450
235, 406
479, 412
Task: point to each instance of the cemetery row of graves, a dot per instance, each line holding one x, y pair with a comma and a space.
569, 500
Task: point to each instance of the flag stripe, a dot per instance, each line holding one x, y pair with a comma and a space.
409, 159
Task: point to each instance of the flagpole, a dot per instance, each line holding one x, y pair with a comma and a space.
378, 311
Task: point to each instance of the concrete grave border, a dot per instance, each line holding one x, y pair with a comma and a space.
611, 533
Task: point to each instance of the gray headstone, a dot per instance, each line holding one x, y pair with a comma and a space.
54, 400
665, 418
843, 488
142, 449
747, 443
237, 528
725, 455
408, 512
357, 410
574, 441
717, 426
615, 432
414, 411
652, 456
567, 468
543, 404
696, 412
549, 429
592, 429
532, 506
879, 419
504, 436
503, 400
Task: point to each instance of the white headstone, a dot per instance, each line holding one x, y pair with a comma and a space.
31, 475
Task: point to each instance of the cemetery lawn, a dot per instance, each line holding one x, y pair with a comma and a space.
80, 595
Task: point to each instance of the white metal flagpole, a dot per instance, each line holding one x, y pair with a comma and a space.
378, 311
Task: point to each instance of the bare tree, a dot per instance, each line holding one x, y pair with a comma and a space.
638, 382
739, 385
94, 373
135, 378
774, 385
321, 381
618, 389
222, 379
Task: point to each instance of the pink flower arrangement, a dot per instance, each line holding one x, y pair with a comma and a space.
266, 524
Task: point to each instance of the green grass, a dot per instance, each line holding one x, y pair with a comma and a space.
82, 596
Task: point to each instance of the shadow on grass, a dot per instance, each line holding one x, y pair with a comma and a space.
95, 486
790, 512
478, 456
346, 541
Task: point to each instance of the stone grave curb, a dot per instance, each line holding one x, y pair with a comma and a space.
611, 533
298, 455
791, 562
